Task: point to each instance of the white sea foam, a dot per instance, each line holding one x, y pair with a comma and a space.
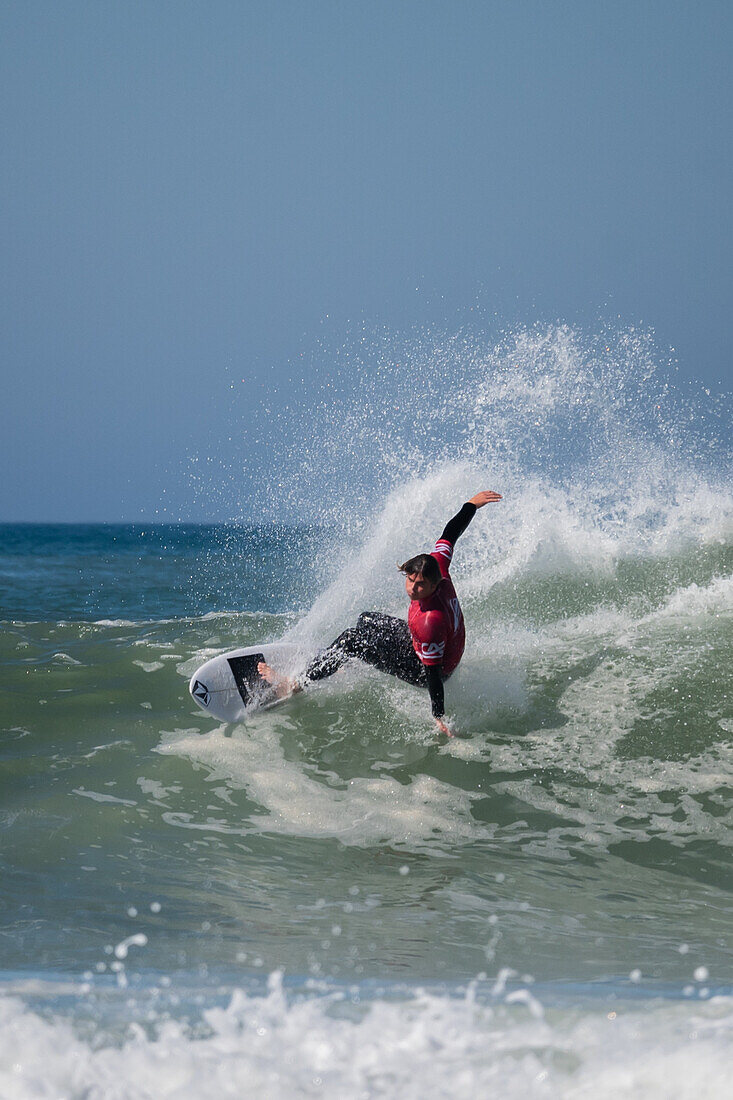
696, 602
423, 1046
422, 815
65, 659
97, 797
157, 791
628, 659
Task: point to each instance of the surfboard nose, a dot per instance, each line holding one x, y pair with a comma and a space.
228, 686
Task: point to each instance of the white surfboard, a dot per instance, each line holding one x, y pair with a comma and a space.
229, 687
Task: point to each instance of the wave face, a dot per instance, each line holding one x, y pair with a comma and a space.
544, 901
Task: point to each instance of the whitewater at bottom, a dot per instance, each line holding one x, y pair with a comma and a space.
498, 1038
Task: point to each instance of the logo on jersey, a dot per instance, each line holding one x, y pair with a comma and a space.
200, 693
432, 650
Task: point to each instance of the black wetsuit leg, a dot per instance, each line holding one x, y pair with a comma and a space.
382, 641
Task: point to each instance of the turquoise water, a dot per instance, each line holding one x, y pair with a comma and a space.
331, 900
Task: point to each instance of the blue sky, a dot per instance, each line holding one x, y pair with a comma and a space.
194, 192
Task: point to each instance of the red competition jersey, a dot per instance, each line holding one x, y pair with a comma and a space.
436, 624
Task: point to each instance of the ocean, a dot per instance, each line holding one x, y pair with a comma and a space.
330, 900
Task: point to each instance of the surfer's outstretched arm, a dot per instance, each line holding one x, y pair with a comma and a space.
455, 527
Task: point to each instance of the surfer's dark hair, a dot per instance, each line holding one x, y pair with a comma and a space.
422, 563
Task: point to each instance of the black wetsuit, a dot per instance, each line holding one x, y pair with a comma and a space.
385, 642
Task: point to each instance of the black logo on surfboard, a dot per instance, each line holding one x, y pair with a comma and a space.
200, 693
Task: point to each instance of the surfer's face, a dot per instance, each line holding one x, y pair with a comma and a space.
417, 587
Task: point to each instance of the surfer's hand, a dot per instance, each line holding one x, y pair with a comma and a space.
444, 727
486, 496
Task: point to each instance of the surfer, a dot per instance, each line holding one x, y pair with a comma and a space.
427, 648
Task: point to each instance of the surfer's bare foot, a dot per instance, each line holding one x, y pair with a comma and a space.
281, 684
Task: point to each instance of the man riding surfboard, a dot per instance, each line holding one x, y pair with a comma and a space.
427, 648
